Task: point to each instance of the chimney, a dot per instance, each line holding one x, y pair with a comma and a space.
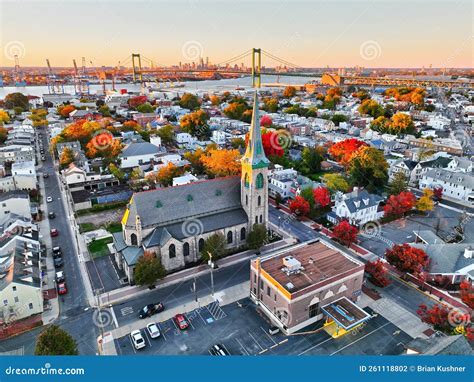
468, 252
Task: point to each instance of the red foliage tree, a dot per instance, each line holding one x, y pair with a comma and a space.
438, 193
378, 273
266, 121
137, 101
299, 206
407, 259
467, 293
436, 316
398, 205
271, 144
345, 233
322, 197
344, 150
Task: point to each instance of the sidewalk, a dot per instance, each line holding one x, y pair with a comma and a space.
225, 297
125, 293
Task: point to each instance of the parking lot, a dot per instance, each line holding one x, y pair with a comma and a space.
243, 330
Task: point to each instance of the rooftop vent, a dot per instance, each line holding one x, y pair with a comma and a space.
289, 286
158, 204
218, 192
190, 198
469, 252
291, 264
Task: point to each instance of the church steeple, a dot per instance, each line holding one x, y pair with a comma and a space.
254, 186
254, 154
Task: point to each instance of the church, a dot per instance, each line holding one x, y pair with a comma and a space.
174, 222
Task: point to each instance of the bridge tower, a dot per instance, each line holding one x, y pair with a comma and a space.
256, 67
135, 71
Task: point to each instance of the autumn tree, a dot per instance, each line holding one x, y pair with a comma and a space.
195, 123
372, 108
322, 197
66, 157
438, 193
400, 204
134, 102
300, 206
345, 233
398, 183
194, 158
335, 182
289, 92
17, 99
145, 108
117, 172
189, 101
270, 105
166, 133
368, 168
236, 110
214, 245
399, 123
425, 203
148, 269
378, 273
215, 100
266, 121
272, 143
103, 145
467, 293
65, 110
3, 134
343, 151
218, 163
55, 341
4, 117
407, 259
165, 174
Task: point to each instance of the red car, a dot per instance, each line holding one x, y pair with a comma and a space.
62, 289
181, 321
54, 232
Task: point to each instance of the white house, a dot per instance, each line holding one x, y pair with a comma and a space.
136, 154
358, 207
185, 139
185, 179
411, 169
218, 137
456, 184
24, 175
16, 153
15, 202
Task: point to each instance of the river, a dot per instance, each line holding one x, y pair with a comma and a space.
189, 86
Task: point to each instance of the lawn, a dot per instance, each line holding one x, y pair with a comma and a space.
86, 227
114, 227
98, 248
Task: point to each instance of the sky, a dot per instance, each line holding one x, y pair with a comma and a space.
376, 33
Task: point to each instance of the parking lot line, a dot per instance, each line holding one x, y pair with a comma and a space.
260, 346
114, 317
361, 338
190, 322
147, 337
271, 339
161, 331
315, 346
242, 346
282, 342
131, 342
263, 351
199, 314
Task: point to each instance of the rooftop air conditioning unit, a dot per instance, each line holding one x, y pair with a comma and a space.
291, 264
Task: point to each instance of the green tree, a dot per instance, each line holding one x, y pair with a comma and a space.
67, 157
336, 182
338, 118
214, 245
257, 236
270, 105
307, 194
55, 341
148, 269
189, 101
195, 123
237, 143
145, 108
368, 168
311, 158
166, 133
372, 108
105, 111
117, 172
235, 110
398, 184
278, 200
19, 100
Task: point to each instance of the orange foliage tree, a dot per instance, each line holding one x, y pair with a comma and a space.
218, 163
343, 151
103, 145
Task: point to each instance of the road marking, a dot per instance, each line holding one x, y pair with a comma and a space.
368, 334
266, 333
282, 342
131, 342
242, 346
161, 331
315, 346
263, 351
190, 322
273, 346
260, 346
114, 317
126, 311
199, 314
147, 337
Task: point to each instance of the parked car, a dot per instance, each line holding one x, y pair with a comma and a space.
181, 321
62, 289
151, 309
58, 262
51, 215
60, 277
45, 175
54, 232
153, 330
137, 339
57, 252
43, 158
218, 349
49, 199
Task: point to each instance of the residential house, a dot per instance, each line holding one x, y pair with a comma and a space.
456, 184
15, 202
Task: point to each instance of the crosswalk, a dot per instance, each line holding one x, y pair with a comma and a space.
216, 311
126, 311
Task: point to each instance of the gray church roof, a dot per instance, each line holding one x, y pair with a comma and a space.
175, 204
141, 148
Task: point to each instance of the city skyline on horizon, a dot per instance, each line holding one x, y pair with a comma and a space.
355, 34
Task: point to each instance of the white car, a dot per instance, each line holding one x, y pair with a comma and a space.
153, 330
137, 339
49, 199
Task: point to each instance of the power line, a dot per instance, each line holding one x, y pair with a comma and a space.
280, 60
240, 56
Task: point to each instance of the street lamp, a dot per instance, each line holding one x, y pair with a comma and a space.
211, 264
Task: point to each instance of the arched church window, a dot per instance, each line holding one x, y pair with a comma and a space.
133, 239
172, 251
259, 201
261, 218
186, 249
246, 200
201, 245
256, 219
243, 233
229, 237
246, 181
259, 181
